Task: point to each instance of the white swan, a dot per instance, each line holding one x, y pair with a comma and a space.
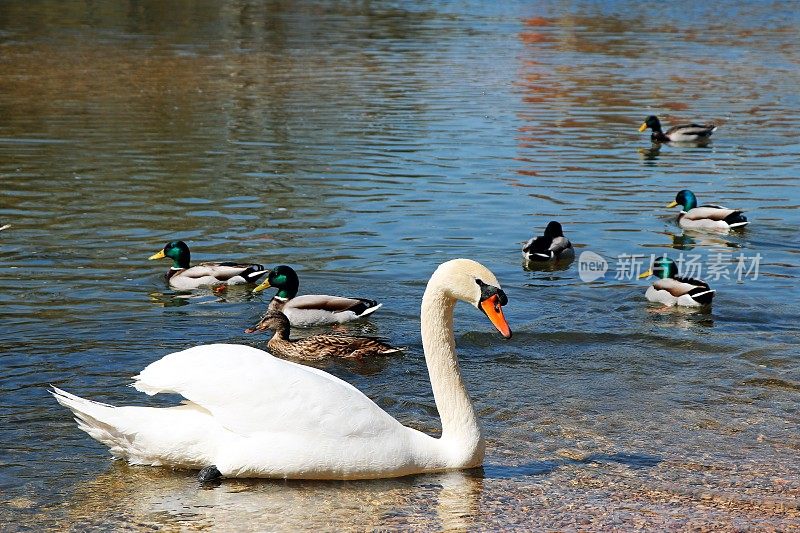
253, 415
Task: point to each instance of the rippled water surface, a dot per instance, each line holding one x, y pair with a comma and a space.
365, 143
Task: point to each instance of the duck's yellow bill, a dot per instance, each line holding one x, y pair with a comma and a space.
643, 127
263, 286
672, 204
646, 274
159, 255
491, 306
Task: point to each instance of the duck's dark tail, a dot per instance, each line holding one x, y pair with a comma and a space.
736, 219
702, 295
253, 272
365, 307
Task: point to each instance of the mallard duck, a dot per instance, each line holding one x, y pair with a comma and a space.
552, 246
709, 216
319, 346
682, 133
181, 276
249, 414
671, 289
310, 309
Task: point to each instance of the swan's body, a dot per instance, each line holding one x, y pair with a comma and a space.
183, 277
706, 217
253, 415
310, 309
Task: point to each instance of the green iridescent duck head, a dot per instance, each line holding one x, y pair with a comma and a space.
283, 278
663, 268
686, 199
177, 251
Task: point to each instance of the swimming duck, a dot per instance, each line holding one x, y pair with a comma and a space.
682, 133
552, 246
249, 414
670, 289
708, 216
181, 276
319, 346
310, 309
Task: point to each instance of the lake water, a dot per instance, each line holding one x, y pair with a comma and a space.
364, 144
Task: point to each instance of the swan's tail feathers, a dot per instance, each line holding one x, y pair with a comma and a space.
96, 419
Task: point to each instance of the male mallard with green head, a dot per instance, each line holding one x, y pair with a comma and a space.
670, 289
183, 276
682, 133
319, 346
310, 309
714, 217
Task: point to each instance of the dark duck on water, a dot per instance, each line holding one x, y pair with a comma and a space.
682, 133
552, 246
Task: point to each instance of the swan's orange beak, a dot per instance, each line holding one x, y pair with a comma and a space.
491, 306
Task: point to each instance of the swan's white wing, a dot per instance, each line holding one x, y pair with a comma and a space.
248, 391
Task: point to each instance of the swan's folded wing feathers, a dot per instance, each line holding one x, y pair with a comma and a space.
249, 391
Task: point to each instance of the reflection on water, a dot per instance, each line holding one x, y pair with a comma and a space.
364, 144
690, 239
680, 318
154, 498
546, 266
650, 154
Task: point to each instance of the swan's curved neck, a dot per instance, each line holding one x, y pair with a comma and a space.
460, 427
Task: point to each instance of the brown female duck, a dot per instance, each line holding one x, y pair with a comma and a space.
318, 346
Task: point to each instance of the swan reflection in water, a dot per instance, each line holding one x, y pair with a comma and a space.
160, 497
